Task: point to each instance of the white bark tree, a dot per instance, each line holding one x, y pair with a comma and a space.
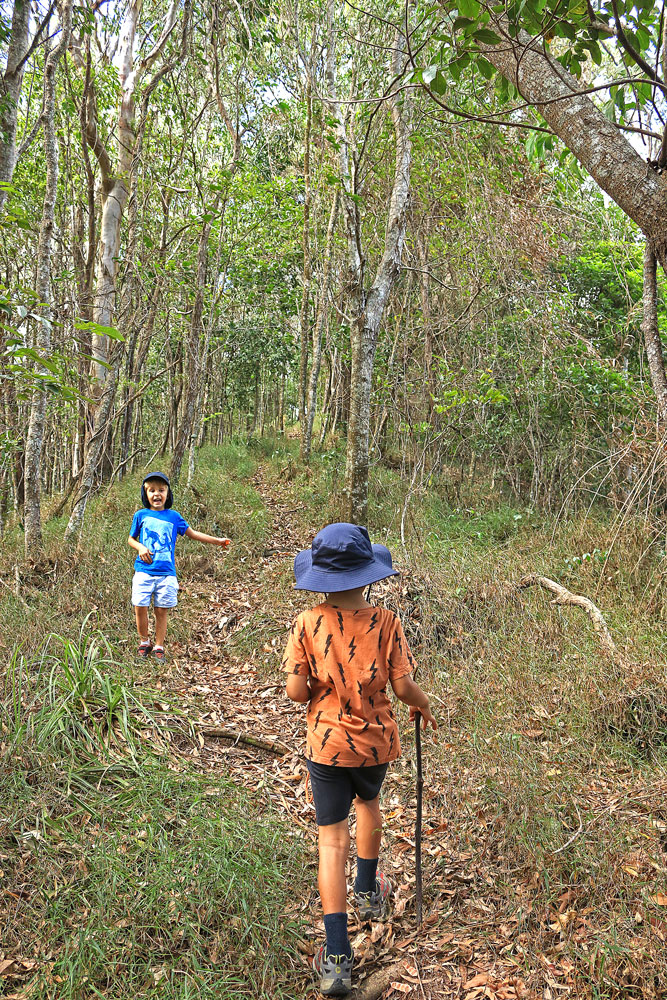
367, 302
33, 448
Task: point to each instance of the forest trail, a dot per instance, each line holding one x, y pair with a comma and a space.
232, 664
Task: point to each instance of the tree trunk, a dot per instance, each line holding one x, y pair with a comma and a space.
306, 273
322, 306
94, 449
10, 89
596, 143
651, 333
188, 423
365, 329
35, 437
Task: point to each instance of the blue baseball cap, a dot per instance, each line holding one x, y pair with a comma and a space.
157, 475
341, 558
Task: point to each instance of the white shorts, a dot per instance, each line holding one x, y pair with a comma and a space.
163, 590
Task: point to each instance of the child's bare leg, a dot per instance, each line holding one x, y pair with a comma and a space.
334, 845
141, 618
160, 625
369, 827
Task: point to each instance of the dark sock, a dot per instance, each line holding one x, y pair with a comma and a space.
366, 872
338, 943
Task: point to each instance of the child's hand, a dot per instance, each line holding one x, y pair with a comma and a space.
224, 542
145, 554
426, 714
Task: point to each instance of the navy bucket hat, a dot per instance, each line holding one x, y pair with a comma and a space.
341, 558
156, 475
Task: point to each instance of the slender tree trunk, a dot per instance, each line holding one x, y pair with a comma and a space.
364, 331
187, 425
35, 437
656, 363
94, 448
307, 272
10, 89
322, 306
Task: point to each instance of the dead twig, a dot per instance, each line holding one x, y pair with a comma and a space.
232, 734
418, 821
563, 596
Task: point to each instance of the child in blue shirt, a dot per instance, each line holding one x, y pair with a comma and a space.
153, 535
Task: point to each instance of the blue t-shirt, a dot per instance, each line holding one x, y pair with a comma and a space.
157, 530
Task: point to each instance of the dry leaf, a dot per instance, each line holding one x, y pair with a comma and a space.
481, 979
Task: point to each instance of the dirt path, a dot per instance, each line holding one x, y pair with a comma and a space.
234, 667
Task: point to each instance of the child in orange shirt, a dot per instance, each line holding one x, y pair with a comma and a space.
340, 656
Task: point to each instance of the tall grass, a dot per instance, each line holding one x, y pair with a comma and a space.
128, 874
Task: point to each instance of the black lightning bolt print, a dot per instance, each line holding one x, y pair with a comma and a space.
334, 759
373, 670
340, 714
340, 622
302, 633
398, 640
347, 708
327, 734
350, 743
353, 648
360, 689
342, 674
374, 618
323, 696
317, 720
380, 723
327, 644
366, 726
370, 701
380, 638
375, 755
391, 742
313, 663
317, 625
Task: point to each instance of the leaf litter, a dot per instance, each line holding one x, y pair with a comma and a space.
232, 666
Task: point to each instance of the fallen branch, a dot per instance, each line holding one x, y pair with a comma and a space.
232, 734
563, 596
376, 984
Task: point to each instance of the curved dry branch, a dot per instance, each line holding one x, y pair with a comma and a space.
562, 596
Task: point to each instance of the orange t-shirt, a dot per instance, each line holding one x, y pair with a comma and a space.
349, 657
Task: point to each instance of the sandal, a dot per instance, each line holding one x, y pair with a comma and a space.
145, 647
159, 653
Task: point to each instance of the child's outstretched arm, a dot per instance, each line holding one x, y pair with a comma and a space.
410, 693
199, 536
144, 554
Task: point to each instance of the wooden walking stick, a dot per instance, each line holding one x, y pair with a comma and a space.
418, 820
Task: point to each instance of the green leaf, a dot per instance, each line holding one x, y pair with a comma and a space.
469, 8
485, 68
486, 36
102, 331
439, 84
462, 22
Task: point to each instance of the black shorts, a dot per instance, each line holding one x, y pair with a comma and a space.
334, 788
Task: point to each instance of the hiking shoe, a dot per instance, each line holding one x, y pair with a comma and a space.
144, 649
335, 972
375, 905
159, 653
